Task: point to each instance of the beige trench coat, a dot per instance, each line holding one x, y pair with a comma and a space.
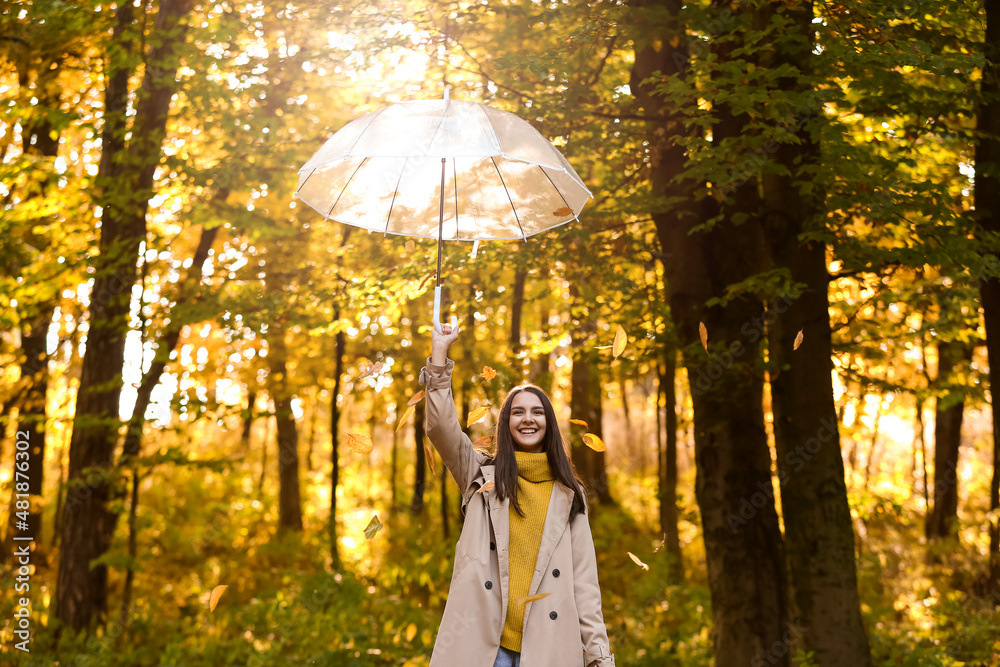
566, 628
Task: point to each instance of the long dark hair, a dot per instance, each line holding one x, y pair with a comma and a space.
553, 446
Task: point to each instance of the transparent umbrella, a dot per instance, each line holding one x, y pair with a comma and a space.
444, 169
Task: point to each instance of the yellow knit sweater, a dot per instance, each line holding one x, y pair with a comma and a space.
534, 488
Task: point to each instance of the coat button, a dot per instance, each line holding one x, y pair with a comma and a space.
553, 615
555, 573
489, 585
493, 546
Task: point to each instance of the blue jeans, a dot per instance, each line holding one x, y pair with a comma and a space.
507, 658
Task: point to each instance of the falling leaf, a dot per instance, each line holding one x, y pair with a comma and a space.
406, 415
371, 370
661, 544
216, 594
531, 598
359, 443
485, 442
477, 415
488, 373
621, 340
594, 442
562, 212
427, 277
486, 487
703, 331
373, 527
429, 455
417, 397
798, 340
603, 347
579, 422
411, 632
635, 559
410, 246
674, 41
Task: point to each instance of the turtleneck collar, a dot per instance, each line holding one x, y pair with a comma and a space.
533, 467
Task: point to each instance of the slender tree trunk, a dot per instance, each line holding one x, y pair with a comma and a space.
942, 518
669, 514
289, 496
420, 478
126, 174
338, 373
516, 310
31, 429
248, 418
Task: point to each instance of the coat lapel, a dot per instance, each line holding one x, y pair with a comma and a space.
500, 519
556, 520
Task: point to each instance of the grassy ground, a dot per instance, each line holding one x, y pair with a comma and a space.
285, 604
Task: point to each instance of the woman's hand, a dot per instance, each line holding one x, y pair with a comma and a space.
440, 342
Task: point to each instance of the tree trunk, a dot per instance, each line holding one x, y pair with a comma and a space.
126, 175
987, 211
338, 372
942, 516
39, 139
585, 404
289, 497
819, 534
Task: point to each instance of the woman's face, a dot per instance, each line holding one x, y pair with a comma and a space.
527, 422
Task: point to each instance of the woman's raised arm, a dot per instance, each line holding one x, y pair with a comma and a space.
443, 428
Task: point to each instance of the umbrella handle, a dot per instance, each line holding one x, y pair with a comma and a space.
437, 308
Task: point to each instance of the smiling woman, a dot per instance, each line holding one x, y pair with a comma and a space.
525, 567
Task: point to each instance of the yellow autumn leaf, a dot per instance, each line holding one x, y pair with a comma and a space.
371, 370
359, 443
594, 442
531, 598
485, 442
621, 340
216, 594
675, 41
579, 422
488, 373
477, 415
417, 397
562, 211
406, 415
703, 331
373, 527
429, 455
798, 340
635, 559
411, 632
486, 487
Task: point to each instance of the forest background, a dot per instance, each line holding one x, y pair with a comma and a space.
209, 392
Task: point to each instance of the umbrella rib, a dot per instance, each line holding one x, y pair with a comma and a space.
361, 133
558, 191
489, 121
513, 210
454, 170
394, 193
299, 189
346, 185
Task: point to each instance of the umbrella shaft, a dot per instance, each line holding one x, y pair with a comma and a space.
441, 223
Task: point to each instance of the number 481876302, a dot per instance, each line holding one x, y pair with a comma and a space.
21, 466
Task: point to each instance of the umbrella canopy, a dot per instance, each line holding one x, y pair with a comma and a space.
444, 169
